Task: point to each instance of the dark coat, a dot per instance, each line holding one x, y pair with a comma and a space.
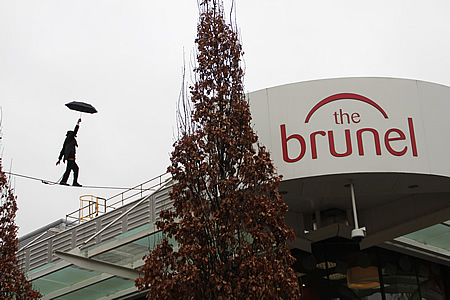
70, 143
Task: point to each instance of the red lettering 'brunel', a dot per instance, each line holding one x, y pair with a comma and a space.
344, 96
395, 142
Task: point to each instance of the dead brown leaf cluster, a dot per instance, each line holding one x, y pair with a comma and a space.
227, 217
13, 283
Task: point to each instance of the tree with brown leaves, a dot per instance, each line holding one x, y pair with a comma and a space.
227, 218
13, 283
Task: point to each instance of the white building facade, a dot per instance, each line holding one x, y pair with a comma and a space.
375, 146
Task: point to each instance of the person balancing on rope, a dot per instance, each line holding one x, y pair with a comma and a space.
68, 152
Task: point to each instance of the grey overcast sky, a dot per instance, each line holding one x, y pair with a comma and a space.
126, 58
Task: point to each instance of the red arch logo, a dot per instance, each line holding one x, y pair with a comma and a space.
342, 96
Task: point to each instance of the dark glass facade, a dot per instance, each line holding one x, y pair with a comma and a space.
338, 269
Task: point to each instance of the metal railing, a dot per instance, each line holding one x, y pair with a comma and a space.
39, 249
115, 201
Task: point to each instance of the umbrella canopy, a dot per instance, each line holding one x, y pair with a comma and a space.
81, 106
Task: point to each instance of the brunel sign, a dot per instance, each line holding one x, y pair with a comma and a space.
350, 125
394, 141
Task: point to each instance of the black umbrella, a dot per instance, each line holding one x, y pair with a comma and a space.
81, 106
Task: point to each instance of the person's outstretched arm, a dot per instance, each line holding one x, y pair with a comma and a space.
77, 126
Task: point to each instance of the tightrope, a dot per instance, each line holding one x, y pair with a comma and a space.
49, 182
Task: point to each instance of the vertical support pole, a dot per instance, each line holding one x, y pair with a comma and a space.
80, 212
380, 275
355, 215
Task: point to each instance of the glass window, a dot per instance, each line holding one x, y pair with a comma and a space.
337, 269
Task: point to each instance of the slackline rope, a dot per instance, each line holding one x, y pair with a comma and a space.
84, 186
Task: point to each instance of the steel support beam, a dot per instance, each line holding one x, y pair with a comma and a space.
99, 266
